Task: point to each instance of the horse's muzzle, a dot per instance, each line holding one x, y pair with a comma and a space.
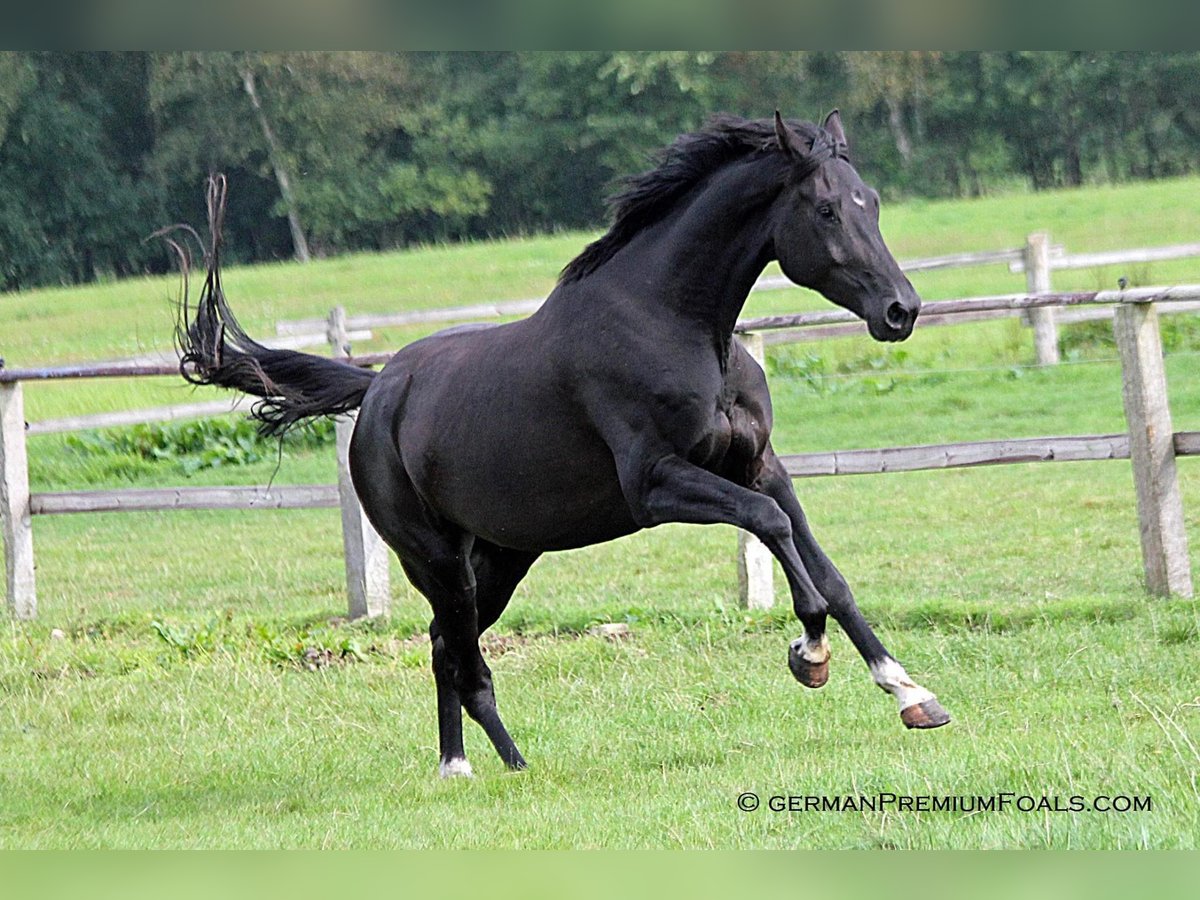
898, 319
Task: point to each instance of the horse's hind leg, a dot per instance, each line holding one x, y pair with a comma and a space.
497, 573
452, 757
438, 559
463, 679
918, 707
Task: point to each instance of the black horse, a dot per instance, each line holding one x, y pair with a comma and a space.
621, 404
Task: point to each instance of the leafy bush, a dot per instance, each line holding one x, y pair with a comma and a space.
200, 444
196, 641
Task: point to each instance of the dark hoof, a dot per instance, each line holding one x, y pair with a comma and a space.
924, 715
811, 675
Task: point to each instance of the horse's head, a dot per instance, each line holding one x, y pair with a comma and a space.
827, 234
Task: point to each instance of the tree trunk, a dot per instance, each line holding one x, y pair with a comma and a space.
299, 243
1074, 165
899, 130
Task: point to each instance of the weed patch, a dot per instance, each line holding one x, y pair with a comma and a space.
193, 446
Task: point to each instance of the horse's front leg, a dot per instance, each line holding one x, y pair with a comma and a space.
918, 707
671, 489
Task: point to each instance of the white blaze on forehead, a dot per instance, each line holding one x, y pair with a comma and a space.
858, 199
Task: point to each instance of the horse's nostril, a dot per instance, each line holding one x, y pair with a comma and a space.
897, 315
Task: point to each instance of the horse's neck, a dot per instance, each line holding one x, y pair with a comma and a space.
703, 259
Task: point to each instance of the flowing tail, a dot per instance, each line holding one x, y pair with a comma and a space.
214, 349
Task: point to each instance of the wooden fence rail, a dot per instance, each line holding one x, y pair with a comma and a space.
1070, 448
503, 308
1150, 443
1036, 259
999, 302
289, 496
1060, 260
145, 416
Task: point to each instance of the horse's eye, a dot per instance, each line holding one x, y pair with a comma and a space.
825, 211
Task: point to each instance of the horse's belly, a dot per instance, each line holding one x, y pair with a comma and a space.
529, 495
543, 513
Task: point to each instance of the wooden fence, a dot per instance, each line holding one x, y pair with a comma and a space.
1037, 259
1150, 443
365, 554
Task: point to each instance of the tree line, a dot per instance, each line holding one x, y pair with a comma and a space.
335, 152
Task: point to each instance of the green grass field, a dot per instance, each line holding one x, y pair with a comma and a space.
205, 692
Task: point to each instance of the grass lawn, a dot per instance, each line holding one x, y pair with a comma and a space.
202, 690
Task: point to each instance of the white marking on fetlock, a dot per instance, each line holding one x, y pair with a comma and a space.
814, 652
458, 767
890, 676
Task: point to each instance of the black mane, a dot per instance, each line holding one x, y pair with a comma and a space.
647, 197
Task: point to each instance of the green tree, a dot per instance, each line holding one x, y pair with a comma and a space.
18, 74
553, 131
335, 132
337, 151
73, 203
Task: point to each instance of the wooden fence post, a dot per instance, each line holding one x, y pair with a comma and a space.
1152, 450
756, 566
366, 553
1037, 281
15, 514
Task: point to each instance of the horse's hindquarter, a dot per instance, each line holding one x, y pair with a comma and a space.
492, 439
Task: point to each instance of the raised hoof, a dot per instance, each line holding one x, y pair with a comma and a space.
809, 674
928, 714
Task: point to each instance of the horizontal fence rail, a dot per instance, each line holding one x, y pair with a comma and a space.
422, 316
1071, 448
929, 319
1151, 443
298, 496
1057, 258
1000, 302
290, 342
158, 363
1112, 257
965, 309
506, 308
87, 370
145, 416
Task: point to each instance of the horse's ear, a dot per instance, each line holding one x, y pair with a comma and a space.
833, 124
789, 143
